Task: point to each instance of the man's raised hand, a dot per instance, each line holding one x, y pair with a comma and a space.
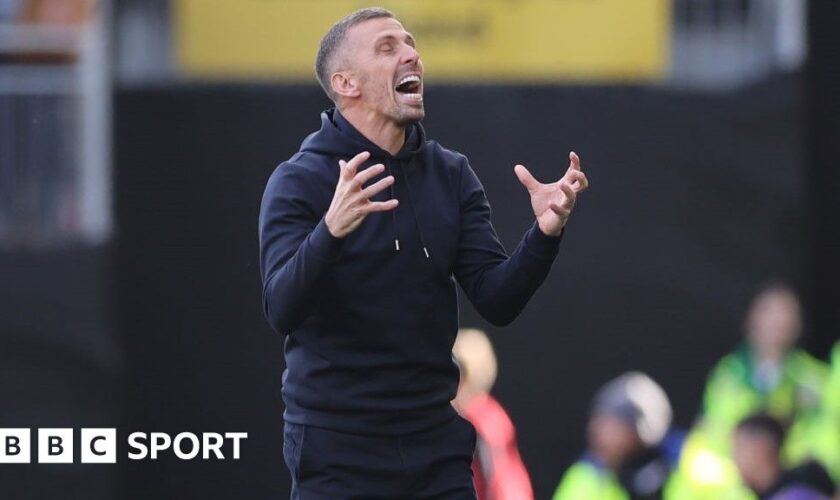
351, 201
553, 203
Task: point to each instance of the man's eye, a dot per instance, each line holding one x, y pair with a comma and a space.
385, 48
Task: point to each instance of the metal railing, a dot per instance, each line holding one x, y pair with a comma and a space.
55, 172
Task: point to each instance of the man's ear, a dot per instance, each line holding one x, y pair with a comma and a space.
344, 84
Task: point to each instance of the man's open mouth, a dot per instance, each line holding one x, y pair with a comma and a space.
410, 86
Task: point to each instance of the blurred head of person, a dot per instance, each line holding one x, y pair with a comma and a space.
757, 442
773, 322
477, 363
369, 66
62, 12
629, 415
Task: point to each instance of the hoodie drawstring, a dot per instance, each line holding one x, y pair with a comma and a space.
394, 211
413, 211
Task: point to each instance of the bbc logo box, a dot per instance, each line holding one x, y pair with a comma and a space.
55, 446
15, 446
99, 446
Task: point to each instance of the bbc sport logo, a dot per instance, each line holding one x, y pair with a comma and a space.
99, 446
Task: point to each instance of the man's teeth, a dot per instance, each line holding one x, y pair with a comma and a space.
414, 93
410, 78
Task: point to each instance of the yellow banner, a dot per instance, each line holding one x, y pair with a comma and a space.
466, 40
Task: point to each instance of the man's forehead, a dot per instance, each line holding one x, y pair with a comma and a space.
374, 29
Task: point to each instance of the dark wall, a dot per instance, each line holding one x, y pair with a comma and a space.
823, 113
60, 363
695, 200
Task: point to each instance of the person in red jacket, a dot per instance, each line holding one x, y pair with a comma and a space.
498, 470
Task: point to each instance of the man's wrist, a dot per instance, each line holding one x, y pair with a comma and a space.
553, 232
325, 245
330, 225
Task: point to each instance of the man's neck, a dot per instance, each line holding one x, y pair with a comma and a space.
379, 130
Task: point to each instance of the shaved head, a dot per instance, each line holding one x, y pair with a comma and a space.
329, 52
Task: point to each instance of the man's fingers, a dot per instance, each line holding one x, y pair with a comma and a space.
577, 176
569, 202
355, 162
376, 187
369, 173
526, 178
574, 160
380, 206
557, 209
584, 182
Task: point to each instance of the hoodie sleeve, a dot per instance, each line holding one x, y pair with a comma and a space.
498, 285
296, 248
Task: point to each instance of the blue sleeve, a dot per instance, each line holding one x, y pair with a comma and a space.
296, 248
498, 285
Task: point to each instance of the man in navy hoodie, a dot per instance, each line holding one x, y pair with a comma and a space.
364, 234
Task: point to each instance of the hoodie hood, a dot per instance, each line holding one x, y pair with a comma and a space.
337, 137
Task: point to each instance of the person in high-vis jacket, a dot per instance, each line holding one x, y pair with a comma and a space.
630, 452
767, 373
823, 438
820, 438
831, 401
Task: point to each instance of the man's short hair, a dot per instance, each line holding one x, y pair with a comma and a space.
325, 60
764, 425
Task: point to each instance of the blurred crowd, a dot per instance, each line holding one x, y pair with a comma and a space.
64, 12
769, 428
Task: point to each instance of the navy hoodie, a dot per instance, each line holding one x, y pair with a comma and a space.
369, 320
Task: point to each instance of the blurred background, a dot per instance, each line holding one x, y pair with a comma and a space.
136, 137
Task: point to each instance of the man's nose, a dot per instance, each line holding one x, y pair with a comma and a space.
410, 55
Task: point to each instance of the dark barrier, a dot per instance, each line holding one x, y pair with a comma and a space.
60, 364
695, 199
823, 112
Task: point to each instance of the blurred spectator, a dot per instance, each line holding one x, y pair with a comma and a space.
768, 373
61, 12
497, 467
832, 392
630, 453
757, 444
9, 10
53, 14
824, 434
